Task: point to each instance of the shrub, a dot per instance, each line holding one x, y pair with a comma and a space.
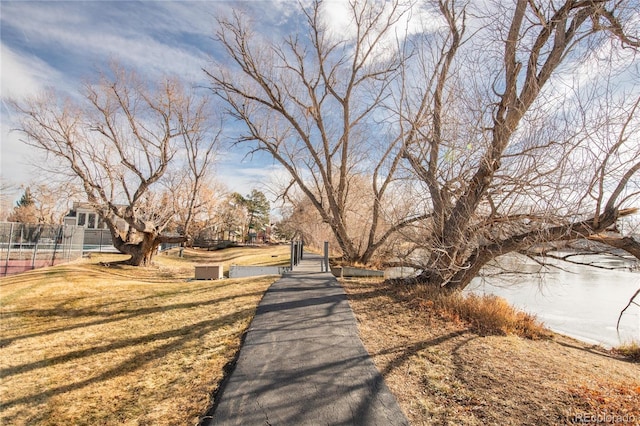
486, 314
631, 351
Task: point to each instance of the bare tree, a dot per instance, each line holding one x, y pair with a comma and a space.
315, 102
302, 220
506, 152
7, 192
198, 152
231, 217
120, 140
196, 216
632, 301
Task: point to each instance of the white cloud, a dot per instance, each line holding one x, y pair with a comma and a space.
338, 18
143, 35
23, 75
58, 43
407, 19
63, 42
242, 176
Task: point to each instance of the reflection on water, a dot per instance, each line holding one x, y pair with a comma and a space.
580, 301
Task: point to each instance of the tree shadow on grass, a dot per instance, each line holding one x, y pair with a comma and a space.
106, 316
184, 335
594, 350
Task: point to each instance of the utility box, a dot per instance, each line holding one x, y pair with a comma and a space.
208, 272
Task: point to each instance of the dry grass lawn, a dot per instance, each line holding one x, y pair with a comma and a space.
88, 344
444, 373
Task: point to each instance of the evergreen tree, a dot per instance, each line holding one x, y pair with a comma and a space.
26, 200
25, 209
258, 208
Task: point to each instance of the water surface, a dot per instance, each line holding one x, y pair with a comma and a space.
583, 302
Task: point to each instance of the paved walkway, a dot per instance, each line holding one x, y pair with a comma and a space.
302, 362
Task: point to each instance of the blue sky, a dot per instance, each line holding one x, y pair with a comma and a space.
59, 43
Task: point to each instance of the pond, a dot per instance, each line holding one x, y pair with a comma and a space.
583, 302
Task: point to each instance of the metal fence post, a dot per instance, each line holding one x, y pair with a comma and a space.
326, 256
21, 238
34, 253
6, 261
55, 246
292, 256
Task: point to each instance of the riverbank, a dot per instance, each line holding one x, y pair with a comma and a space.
580, 301
443, 373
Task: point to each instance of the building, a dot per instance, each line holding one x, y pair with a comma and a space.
96, 232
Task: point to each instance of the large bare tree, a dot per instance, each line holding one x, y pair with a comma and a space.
506, 134
315, 102
120, 139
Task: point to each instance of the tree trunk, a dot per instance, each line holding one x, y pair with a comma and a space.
142, 252
467, 270
627, 244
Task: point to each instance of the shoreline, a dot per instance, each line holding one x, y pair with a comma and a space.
578, 301
443, 373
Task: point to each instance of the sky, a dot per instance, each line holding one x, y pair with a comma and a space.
60, 43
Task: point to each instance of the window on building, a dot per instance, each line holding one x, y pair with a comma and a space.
91, 222
82, 217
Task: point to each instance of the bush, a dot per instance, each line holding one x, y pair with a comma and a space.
631, 351
485, 314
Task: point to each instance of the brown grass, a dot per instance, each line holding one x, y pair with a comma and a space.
86, 344
444, 370
630, 351
485, 315
276, 255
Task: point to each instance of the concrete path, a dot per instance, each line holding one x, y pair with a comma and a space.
302, 362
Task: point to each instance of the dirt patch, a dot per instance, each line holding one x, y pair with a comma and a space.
442, 373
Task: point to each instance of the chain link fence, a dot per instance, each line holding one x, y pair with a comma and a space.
26, 246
